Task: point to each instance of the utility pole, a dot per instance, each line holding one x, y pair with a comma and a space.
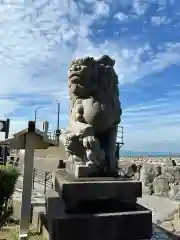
6, 149
58, 131
58, 113
35, 116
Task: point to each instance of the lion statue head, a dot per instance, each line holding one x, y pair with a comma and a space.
82, 80
88, 77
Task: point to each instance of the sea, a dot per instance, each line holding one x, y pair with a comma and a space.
126, 153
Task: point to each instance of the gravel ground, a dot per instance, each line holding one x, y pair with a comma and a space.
161, 207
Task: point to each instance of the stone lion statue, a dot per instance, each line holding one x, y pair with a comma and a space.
95, 112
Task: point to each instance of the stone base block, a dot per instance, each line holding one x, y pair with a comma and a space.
78, 170
77, 191
133, 225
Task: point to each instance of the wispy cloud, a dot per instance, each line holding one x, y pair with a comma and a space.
151, 126
121, 16
40, 38
157, 21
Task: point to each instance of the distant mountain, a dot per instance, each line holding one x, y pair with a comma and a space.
126, 153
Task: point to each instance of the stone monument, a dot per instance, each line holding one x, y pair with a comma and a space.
95, 112
90, 200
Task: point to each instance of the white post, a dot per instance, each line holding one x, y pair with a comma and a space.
27, 185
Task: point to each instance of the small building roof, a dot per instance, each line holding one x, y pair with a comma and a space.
19, 140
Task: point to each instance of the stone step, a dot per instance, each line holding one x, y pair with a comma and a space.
75, 190
40, 221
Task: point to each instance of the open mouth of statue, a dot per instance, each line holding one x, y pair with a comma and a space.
74, 77
80, 86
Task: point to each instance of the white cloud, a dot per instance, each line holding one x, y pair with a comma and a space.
133, 68
154, 126
157, 20
39, 35
140, 6
101, 8
121, 16
40, 38
129, 65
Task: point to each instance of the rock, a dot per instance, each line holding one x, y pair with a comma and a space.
161, 186
147, 190
131, 170
168, 162
169, 170
137, 176
147, 174
176, 174
174, 192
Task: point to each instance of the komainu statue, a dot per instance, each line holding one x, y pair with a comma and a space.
95, 112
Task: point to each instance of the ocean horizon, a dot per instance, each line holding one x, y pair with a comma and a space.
126, 153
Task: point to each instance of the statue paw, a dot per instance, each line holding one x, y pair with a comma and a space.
89, 141
89, 163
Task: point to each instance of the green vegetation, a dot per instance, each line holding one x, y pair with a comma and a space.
8, 178
11, 232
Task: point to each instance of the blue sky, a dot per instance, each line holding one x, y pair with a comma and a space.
40, 38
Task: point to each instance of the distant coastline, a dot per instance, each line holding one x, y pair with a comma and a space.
124, 153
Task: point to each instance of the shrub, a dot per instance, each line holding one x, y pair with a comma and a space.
8, 178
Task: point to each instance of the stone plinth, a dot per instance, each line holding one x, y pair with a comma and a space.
99, 208
92, 202
79, 191
125, 225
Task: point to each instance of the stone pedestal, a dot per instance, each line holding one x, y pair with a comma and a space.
127, 225
76, 192
96, 208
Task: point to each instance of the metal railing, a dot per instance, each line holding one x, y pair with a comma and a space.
52, 135
120, 136
42, 177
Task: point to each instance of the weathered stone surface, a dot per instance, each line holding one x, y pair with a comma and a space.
105, 226
168, 162
147, 189
147, 174
174, 193
94, 117
93, 202
169, 170
73, 190
174, 173
78, 169
161, 186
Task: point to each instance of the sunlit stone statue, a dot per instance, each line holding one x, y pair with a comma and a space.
88, 191
95, 112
